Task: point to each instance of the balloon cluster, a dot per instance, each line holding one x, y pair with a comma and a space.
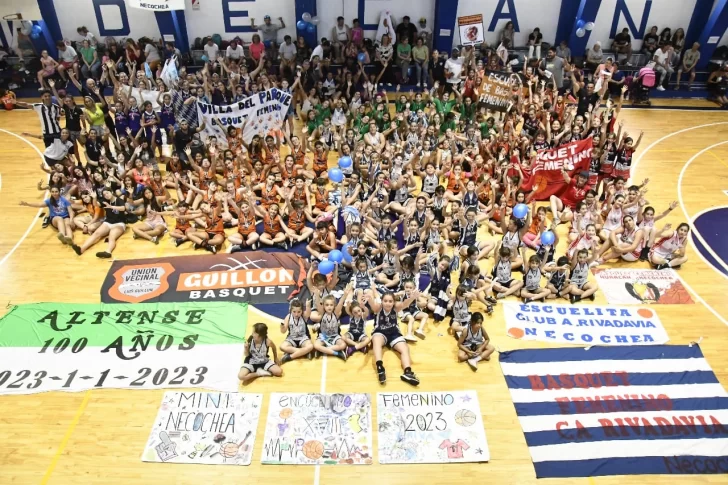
307, 23
582, 27
36, 31
335, 173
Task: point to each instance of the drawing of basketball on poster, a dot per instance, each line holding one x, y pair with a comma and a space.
318, 429
471, 29
431, 427
204, 428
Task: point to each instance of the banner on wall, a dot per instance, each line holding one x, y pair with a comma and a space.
157, 5
254, 276
75, 347
586, 325
547, 179
262, 113
318, 429
204, 428
656, 409
496, 91
471, 29
639, 286
432, 427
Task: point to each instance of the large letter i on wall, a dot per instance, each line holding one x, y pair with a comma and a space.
621, 8
112, 17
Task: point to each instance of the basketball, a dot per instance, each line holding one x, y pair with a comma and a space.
313, 449
286, 413
465, 418
229, 449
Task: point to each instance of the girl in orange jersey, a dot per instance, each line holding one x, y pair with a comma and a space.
321, 197
269, 194
174, 166
272, 150
232, 172
296, 230
89, 214
273, 232
246, 237
159, 189
455, 182
184, 193
183, 228
320, 161
206, 170
235, 196
298, 191
213, 235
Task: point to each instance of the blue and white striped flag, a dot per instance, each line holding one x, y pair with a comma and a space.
655, 409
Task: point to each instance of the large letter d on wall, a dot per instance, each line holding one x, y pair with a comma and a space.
112, 16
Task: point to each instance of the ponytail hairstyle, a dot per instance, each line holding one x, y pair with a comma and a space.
261, 329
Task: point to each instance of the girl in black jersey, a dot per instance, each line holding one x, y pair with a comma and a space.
386, 333
329, 341
532, 289
356, 337
416, 312
298, 342
474, 344
559, 284
257, 363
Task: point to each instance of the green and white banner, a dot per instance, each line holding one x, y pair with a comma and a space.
74, 347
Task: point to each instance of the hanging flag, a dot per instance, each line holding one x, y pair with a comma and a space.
655, 409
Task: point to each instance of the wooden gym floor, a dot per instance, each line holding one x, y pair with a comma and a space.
98, 436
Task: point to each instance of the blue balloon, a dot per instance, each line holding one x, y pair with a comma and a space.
34, 35
336, 175
336, 256
520, 211
326, 267
37, 29
345, 162
547, 238
580, 24
362, 57
301, 25
348, 258
204, 58
311, 28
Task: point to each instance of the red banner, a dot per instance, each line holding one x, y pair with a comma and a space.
546, 178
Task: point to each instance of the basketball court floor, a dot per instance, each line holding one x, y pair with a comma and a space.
98, 436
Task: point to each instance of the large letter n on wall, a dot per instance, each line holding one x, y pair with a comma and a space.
229, 14
103, 31
621, 8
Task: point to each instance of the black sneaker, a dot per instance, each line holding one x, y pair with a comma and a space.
342, 355
196, 246
103, 255
227, 225
76, 248
527, 300
591, 297
644, 254
286, 358
491, 300
489, 309
310, 355
382, 374
235, 248
575, 298
212, 249
46, 221
410, 378
662, 266
177, 242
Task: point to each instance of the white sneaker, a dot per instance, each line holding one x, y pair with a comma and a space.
410, 338
660, 88
419, 85
263, 373
424, 85
473, 364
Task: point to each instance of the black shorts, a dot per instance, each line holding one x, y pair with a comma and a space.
356, 336
392, 336
48, 139
254, 367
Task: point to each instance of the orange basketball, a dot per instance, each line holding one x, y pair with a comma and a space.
515, 332
229, 450
286, 413
645, 313
313, 449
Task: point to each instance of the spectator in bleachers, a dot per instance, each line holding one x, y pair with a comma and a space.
603, 74
303, 51
564, 52
665, 37
90, 60
555, 66
234, 51
269, 30
152, 55
678, 41
86, 35
508, 34
115, 53
616, 81
594, 56
649, 42
287, 52
689, 62
453, 70
211, 50
406, 29
421, 57
67, 59
133, 52
170, 51
357, 33
622, 44
662, 64
384, 55
436, 68
48, 65
404, 57
340, 36
534, 43
256, 48
425, 33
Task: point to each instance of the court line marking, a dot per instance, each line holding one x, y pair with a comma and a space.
37, 214
718, 158
700, 253
690, 220
66, 437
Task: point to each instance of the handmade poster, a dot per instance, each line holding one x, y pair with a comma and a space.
547, 178
656, 409
318, 429
641, 286
430, 427
583, 324
204, 428
74, 347
262, 113
495, 91
471, 29
242, 277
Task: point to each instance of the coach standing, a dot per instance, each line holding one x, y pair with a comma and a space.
49, 115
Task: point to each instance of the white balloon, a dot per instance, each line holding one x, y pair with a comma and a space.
589, 25
26, 27
580, 32
315, 20
306, 17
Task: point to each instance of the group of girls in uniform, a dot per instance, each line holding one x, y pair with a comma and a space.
424, 212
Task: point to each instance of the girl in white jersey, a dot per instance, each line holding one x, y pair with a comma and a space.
646, 222
532, 289
329, 340
474, 344
588, 240
668, 251
298, 342
626, 243
506, 285
580, 286
257, 363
